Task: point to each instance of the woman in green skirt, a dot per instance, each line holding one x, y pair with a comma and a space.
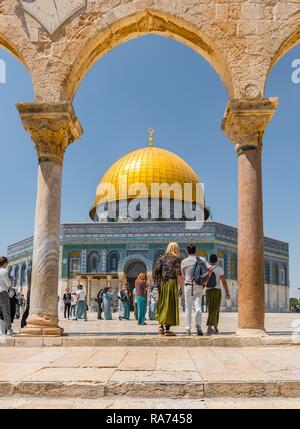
167, 275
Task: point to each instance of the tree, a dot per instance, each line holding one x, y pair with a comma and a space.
294, 304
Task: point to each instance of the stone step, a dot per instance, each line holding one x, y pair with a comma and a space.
118, 403
146, 341
187, 387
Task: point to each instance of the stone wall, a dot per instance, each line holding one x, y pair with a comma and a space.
241, 39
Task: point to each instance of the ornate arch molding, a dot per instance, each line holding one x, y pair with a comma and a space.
136, 25
123, 264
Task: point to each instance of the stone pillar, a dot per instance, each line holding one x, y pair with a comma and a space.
244, 123
89, 290
108, 280
52, 128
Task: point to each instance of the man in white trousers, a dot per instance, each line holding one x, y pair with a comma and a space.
192, 292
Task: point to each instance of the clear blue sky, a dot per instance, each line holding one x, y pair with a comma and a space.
153, 82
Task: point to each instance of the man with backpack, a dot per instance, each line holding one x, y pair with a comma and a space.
214, 295
195, 271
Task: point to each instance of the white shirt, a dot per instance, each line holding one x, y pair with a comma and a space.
81, 294
187, 266
154, 295
73, 299
5, 281
218, 273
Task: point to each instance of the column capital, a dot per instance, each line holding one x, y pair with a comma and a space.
52, 126
245, 122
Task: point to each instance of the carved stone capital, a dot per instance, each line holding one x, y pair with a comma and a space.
245, 122
52, 126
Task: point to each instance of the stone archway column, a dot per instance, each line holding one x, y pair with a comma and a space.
245, 123
52, 128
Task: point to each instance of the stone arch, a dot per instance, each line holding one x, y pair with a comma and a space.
103, 40
131, 259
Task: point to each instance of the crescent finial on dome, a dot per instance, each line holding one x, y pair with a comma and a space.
151, 131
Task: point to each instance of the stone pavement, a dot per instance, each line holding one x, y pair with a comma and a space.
139, 369
276, 324
109, 333
143, 372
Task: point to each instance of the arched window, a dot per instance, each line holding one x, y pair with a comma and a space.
94, 262
75, 262
23, 274
274, 274
282, 275
112, 262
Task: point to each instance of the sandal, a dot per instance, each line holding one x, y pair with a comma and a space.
170, 334
161, 330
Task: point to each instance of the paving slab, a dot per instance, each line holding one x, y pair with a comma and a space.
106, 358
14, 371
146, 360
174, 359
92, 375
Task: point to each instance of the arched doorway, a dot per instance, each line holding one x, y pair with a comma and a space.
132, 270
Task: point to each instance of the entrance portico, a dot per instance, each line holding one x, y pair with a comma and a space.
95, 282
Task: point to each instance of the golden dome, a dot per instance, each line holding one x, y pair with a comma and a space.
145, 166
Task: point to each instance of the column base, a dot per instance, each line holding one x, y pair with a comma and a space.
251, 332
35, 331
39, 325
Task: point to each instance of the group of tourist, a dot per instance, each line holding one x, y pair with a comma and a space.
192, 277
75, 304
174, 278
189, 278
6, 306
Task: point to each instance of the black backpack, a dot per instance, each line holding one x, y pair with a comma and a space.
212, 281
200, 274
123, 296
